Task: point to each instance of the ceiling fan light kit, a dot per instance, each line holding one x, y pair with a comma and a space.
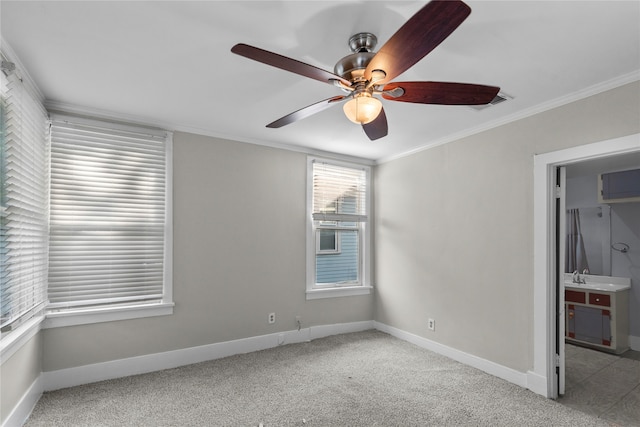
362, 108
365, 73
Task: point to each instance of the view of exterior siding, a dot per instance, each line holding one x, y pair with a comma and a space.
342, 266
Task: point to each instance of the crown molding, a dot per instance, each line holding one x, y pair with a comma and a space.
537, 109
180, 127
66, 108
10, 55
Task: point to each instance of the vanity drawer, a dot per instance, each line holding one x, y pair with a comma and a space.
600, 299
575, 296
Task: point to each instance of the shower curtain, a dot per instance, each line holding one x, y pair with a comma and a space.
576, 258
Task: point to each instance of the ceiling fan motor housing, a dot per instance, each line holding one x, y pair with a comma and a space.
352, 67
362, 42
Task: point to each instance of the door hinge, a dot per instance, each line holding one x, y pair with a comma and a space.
558, 191
556, 360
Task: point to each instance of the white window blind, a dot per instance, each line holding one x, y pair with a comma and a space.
108, 219
24, 160
339, 193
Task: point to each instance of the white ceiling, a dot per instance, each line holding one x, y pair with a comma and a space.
169, 63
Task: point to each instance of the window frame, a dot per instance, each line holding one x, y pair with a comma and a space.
27, 201
25, 327
331, 290
79, 316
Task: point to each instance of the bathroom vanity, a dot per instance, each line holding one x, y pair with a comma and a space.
597, 312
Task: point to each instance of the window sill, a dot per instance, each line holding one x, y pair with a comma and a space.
14, 340
57, 319
345, 291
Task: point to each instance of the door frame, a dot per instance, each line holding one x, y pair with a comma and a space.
542, 378
560, 252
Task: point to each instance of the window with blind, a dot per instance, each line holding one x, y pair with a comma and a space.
338, 232
23, 204
109, 216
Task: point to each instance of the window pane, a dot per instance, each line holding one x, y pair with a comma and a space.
328, 240
341, 267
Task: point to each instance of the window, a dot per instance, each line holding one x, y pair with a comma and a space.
24, 162
110, 224
338, 234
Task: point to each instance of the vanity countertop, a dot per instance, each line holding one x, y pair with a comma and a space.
598, 283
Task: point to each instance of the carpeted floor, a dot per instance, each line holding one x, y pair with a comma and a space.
360, 379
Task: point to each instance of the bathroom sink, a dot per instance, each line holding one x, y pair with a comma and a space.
598, 283
606, 287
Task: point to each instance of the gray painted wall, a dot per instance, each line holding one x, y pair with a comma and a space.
18, 373
454, 228
236, 259
453, 239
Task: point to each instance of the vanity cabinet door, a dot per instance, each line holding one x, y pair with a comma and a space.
592, 325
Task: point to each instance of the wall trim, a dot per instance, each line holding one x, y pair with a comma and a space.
634, 343
536, 109
537, 383
614, 83
23, 409
66, 108
62, 378
24, 75
57, 319
491, 368
70, 377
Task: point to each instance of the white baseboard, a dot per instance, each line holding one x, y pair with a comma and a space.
54, 380
507, 374
340, 328
634, 343
23, 409
537, 384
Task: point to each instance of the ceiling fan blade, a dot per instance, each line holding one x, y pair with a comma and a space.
444, 93
286, 63
377, 128
306, 111
417, 37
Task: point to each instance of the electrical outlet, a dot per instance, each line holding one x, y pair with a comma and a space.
431, 324
272, 318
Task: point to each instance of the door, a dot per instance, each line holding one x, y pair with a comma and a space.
561, 237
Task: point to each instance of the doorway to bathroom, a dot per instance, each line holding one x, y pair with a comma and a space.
548, 373
599, 375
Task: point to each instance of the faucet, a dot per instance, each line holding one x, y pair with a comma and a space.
575, 278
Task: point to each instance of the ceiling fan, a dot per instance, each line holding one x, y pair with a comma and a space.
365, 73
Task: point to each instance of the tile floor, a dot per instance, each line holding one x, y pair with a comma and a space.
602, 384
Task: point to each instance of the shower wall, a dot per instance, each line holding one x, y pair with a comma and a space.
595, 226
582, 193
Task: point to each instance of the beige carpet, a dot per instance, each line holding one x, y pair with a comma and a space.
360, 379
